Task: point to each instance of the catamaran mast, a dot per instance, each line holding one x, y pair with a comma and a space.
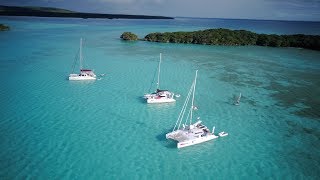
158, 83
194, 89
80, 53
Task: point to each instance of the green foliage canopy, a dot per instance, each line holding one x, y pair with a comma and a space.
128, 36
4, 27
236, 38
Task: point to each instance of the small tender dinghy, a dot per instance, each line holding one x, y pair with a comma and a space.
222, 134
237, 102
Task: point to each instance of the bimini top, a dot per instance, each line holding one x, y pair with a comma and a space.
85, 70
159, 90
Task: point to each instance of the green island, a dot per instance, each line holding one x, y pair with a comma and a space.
128, 36
229, 37
4, 27
57, 12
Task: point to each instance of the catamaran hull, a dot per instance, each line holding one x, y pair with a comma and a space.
153, 101
196, 141
81, 78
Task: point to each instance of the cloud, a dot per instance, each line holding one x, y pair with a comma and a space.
117, 1
51, 1
131, 1
296, 9
248, 9
295, 4
147, 7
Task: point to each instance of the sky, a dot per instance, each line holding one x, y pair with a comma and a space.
305, 10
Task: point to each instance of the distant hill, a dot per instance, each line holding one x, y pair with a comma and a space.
57, 12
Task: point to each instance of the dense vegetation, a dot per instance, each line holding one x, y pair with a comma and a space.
56, 12
236, 38
4, 27
128, 36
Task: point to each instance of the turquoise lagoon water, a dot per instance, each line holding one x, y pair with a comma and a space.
54, 128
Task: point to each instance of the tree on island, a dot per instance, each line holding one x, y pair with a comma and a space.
128, 36
236, 38
4, 27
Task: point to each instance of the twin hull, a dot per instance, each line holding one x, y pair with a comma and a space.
161, 100
196, 141
76, 77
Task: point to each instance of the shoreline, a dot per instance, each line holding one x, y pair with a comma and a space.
228, 37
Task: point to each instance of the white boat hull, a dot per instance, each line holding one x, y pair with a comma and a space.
160, 100
76, 77
196, 141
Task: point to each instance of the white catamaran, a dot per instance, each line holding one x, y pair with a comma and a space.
85, 74
160, 96
194, 133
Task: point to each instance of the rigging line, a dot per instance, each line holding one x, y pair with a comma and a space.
83, 57
182, 111
158, 82
184, 107
75, 61
188, 116
194, 90
83, 62
154, 77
